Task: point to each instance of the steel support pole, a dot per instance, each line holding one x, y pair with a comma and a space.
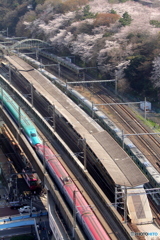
84, 154
92, 110
74, 213
123, 139
31, 94
10, 73
116, 84
44, 162
66, 86
125, 205
19, 123
19, 119
116, 197
54, 117
41, 63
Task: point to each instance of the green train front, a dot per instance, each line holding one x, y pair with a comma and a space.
19, 117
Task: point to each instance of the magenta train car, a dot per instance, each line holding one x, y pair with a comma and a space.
85, 215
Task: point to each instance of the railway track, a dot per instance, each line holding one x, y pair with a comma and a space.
126, 120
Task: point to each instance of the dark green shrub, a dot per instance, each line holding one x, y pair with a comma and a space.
126, 19
87, 14
113, 11
155, 23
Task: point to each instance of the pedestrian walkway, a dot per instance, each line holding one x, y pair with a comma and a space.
19, 223
23, 216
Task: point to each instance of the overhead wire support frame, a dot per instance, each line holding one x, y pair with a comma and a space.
135, 134
93, 81
121, 103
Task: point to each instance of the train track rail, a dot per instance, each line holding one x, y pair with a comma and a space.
126, 120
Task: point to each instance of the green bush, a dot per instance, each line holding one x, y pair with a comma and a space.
122, 1
113, 11
87, 14
126, 19
155, 23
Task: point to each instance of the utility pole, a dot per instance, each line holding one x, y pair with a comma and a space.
92, 110
123, 138
54, 117
19, 123
115, 198
74, 213
19, 119
31, 94
84, 152
66, 86
125, 205
44, 161
10, 73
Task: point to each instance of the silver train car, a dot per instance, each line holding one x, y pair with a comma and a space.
62, 61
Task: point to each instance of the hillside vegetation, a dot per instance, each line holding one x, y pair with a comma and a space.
118, 37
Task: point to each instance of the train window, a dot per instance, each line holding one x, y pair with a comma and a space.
33, 135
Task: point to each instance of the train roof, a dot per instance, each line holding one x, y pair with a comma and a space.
61, 60
25, 120
115, 160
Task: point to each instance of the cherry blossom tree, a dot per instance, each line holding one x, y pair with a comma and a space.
155, 78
